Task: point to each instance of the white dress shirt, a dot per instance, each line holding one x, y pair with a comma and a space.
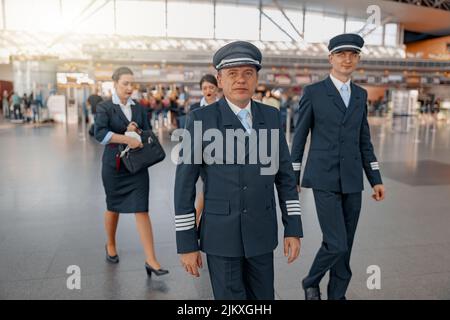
126, 108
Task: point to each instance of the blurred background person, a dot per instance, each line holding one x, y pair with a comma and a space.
210, 91
5, 104
93, 100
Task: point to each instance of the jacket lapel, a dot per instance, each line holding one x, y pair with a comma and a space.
134, 114
333, 93
121, 114
257, 124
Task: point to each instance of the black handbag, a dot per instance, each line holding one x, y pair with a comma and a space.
137, 159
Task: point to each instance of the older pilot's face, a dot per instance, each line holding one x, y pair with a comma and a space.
238, 83
344, 62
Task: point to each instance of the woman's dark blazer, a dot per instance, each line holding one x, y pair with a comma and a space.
109, 117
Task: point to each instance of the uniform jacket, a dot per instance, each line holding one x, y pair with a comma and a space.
239, 216
340, 147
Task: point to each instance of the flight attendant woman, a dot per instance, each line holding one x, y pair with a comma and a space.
115, 121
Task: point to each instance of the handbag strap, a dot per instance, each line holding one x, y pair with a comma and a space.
124, 152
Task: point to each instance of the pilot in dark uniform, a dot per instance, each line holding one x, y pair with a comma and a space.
238, 228
334, 111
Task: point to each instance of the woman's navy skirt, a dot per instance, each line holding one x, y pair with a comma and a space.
125, 192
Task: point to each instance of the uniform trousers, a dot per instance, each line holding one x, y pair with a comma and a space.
338, 215
241, 278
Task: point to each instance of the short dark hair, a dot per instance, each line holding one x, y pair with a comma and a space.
121, 71
208, 78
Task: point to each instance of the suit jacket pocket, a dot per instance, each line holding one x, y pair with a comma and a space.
220, 207
320, 146
321, 160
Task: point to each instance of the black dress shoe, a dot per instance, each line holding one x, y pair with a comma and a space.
312, 293
112, 259
158, 272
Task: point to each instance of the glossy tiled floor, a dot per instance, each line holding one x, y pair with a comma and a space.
52, 203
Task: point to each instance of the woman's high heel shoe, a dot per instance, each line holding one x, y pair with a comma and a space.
112, 259
158, 272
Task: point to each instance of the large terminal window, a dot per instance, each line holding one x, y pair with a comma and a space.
270, 32
35, 17
181, 24
390, 34
188, 19
237, 22
314, 26
145, 18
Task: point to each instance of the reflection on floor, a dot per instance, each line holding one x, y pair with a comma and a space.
52, 203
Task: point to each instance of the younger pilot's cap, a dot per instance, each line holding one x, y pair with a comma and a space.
237, 53
346, 41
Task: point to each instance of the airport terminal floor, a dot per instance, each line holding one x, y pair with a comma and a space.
52, 203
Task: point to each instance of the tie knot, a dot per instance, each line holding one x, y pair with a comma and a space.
243, 114
344, 87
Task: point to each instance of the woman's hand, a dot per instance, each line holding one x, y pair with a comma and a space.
133, 143
132, 126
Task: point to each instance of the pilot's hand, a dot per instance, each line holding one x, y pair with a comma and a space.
292, 248
379, 192
191, 262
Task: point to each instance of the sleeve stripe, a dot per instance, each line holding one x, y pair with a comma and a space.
288, 202
181, 216
184, 228
185, 224
185, 220
294, 213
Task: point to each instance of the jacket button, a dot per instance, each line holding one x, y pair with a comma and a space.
342, 159
244, 188
245, 210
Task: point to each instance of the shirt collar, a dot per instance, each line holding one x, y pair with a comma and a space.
116, 100
338, 83
236, 109
204, 103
